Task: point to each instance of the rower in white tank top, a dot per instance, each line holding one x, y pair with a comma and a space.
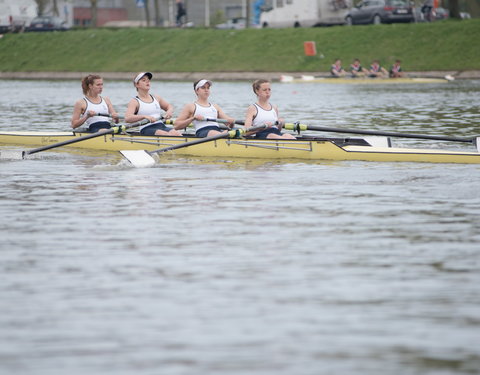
206, 112
264, 116
149, 109
264, 113
197, 112
101, 107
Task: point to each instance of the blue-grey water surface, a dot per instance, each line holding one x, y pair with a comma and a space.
201, 266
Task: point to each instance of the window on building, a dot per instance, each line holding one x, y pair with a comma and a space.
279, 3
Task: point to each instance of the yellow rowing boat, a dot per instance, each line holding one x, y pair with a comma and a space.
303, 148
361, 80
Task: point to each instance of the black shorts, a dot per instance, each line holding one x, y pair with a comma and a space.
151, 129
96, 126
203, 132
264, 133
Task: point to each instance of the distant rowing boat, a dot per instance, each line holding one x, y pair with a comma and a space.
304, 148
360, 80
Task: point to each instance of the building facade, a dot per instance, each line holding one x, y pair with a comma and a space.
200, 13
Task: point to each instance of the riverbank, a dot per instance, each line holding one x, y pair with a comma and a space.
215, 76
446, 47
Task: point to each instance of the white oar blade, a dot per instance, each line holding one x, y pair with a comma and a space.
11, 155
285, 78
308, 78
138, 158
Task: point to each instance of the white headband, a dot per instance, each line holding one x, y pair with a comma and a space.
201, 83
141, 75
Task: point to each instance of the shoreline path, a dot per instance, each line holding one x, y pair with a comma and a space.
216, 76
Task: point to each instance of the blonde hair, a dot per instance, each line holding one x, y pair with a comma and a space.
256, 85
88, 80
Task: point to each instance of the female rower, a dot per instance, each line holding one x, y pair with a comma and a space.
199, 111
357, 70
86, 110
149, 107
377, 71
264, 113
336, 69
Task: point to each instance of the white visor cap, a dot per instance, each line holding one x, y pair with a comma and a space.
201, 83
141, 75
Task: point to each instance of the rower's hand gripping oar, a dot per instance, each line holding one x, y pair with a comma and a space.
113, 130
143, 158
301, 127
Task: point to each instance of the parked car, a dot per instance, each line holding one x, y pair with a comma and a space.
233, 23
380, 11
441, 13
436, 15
47, 23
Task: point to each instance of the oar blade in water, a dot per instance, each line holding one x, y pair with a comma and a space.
11, 155
138, 158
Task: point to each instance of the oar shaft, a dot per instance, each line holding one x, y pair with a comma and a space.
113, 130
229, 134
298, 127
223, 121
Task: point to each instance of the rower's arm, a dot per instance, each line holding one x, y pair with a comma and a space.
251, 112
77, 118
186, 117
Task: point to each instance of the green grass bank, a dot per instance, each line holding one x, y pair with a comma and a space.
439, 46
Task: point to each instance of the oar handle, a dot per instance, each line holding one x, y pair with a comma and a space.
223, 121
301, 127
107, 115
113, 130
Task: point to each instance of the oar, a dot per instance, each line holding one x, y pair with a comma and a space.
223, 121
143, 158
107, 115
299, 127
219, 120
114, 130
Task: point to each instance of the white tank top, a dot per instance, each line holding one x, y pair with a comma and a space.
149, 109
263, 116
206, 112
98, 108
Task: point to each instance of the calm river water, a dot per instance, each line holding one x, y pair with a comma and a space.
242, 267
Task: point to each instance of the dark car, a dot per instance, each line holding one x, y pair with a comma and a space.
47, 23
380, 11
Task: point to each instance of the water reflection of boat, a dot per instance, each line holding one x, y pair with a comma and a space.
359, 80
303, 148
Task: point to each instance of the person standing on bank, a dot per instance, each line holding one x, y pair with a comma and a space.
86, 110
148, 106
199, 111
264, 113
181, 13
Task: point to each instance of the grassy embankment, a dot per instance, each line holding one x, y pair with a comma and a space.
447, 45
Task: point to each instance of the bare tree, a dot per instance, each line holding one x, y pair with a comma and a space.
55, 8
94, 13
157, 13
147, 13
42, 5
454, 9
